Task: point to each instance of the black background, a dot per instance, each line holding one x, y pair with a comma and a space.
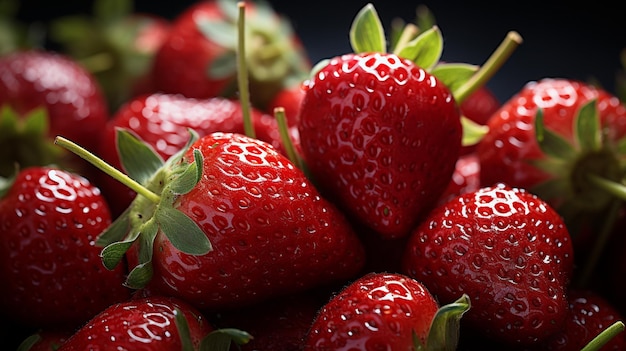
580, 40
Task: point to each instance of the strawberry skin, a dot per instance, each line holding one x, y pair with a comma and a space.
381, 137
376, 312
140, 324
162, 121
272, 233
76, 106
51, 269
508, 251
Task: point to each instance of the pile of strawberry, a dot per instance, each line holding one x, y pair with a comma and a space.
199, 184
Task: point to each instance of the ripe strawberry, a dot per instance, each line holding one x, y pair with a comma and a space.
578, 134
589, 315
50, 266
162, 121
227, 222
465, 179
115, 43
141, 324
70, 96
197, 59
385, 311
505, 248
290, 99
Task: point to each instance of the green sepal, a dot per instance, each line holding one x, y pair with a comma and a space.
621, 146
182, 231
221, 32
454, 75
367, 33
445, 328
141, 274
29, 342
587, 127
425, 50
114, 253
221, 339
138, 159
183, 330
223, 66
5, 184
190, 176
229, 9
116, 231
177, 157
551, 143
556, 167
472, 131
112, 10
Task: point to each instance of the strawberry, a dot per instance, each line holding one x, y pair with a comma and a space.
227, 221
197, 59
465, 179
50, 266
385, 311
508, 250
48, 340
379, 131
142, 324
290, 99
161, 120
69, 96
589, 315
116, 44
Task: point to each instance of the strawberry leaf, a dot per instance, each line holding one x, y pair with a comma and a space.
587, 127
138, 159
229, 9
183, 330
113, 254
367, 33
141, 274
190, 175
444, 331
221, 339
454, 75
221, 32
472, 131
551, 143
116, 231
223, 66
182, 231
425, 50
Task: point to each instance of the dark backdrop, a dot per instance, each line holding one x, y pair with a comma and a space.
579, 40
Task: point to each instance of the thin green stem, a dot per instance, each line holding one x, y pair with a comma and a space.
611, 187
604, 337
106, 168
279, 114
490, 67
242, 72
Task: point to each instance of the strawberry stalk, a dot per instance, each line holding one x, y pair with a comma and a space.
242, 71
604, 337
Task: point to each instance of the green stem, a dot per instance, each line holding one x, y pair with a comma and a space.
242, 72
611, 187
604, 337
106, 168
279, 114
490, 67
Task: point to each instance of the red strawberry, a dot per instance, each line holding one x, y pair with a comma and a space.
465, 179
232, 223
70, 96
385, 311
50, 266
505, 248
589, 315
140, 324
162, 121
197, 58
369, 127
290, 99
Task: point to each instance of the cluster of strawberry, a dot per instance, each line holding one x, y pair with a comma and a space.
224, 193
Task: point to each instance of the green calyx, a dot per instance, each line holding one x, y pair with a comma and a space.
445, 328
158, 184
273, 57
24, 141
424, 48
